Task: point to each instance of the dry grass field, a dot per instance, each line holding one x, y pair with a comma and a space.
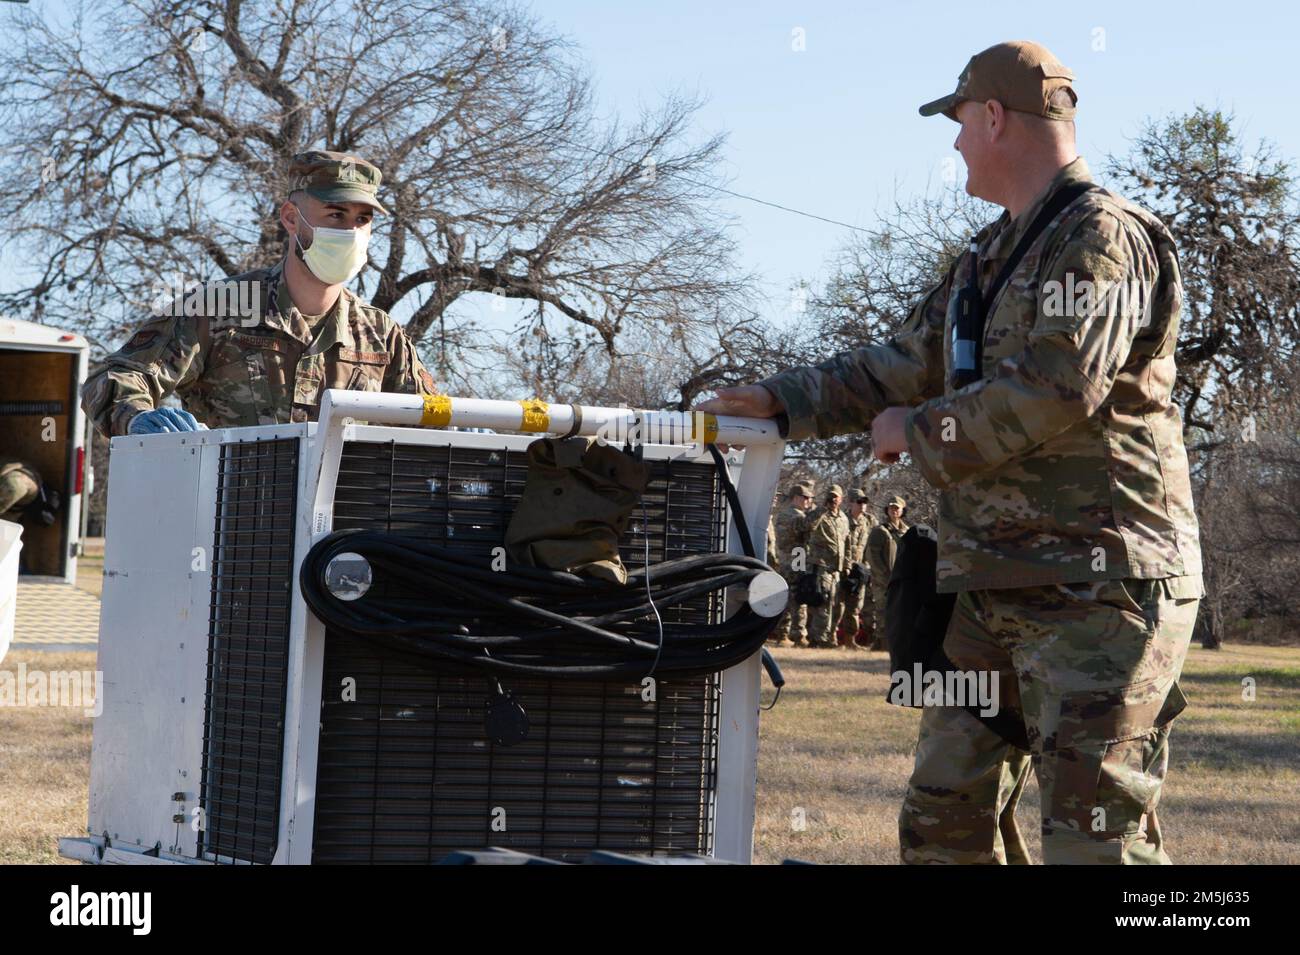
44, 766
834, 749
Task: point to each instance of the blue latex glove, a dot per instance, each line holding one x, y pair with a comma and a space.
163, 420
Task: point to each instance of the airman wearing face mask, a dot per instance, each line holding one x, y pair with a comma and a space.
261, 347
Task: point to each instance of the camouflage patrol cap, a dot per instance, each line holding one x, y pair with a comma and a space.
859, 495
335, 177
1020, 74
804, 489
835, 491
896, 501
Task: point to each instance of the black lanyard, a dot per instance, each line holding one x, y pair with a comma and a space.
972, 307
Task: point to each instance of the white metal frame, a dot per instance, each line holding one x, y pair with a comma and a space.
413, 419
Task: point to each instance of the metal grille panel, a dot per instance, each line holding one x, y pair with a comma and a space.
248, 644
406, 773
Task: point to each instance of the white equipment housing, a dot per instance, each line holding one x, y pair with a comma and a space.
224, 736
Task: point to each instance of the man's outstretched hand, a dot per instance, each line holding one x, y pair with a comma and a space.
743, 401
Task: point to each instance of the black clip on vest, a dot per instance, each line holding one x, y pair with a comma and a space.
968, 324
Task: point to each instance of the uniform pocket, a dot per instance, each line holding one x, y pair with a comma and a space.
355, 370
1139, 598
1093, 718
1109, 754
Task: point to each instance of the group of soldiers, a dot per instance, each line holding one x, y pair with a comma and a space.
849, 556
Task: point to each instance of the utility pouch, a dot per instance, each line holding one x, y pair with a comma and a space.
577, 499
916, 622
810, 590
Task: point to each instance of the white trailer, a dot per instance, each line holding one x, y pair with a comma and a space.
41, 421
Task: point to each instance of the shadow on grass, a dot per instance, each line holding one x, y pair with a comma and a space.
1233, 751
1274, 678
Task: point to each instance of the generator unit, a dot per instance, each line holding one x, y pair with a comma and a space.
237, 728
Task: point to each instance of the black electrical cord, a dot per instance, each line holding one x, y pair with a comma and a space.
528, 621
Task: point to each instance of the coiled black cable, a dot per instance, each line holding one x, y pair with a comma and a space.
528, 621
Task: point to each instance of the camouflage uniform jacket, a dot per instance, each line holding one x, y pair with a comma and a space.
1066, 463
791, 532
828, 535
268, 368
882, 548
859, 528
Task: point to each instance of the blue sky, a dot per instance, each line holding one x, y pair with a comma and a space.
834, 129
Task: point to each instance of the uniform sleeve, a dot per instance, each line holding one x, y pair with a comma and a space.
163, 355
843, 394
406, 373
1090, 307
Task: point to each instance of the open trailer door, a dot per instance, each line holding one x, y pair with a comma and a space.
41, 422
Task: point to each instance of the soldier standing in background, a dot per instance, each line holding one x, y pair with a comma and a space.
792, 548
1066, 520
882, 549
304, 332
860, 524
828, 533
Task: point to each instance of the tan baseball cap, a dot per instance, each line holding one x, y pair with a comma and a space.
804, 489
859, 495
1020, 74
835, 491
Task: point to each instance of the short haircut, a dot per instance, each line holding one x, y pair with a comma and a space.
1052, 130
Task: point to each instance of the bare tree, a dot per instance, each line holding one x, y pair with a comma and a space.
1234, 216
882, 273
670, 365
1248, 501
157, 134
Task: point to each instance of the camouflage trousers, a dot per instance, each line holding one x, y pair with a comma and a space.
850, 609
1093, 669
794, 622
823, 621
16, 490
879, 590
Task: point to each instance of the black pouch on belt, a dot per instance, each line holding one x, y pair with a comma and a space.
916, 622
808, 589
